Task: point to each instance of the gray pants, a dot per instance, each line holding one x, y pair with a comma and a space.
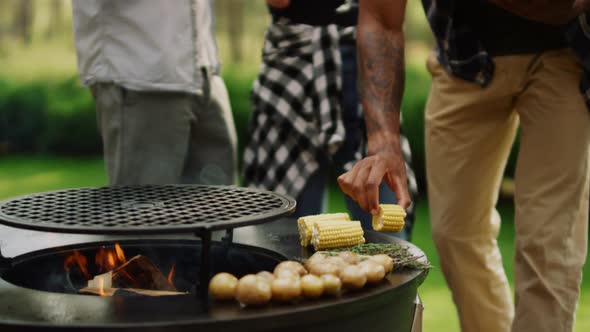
167, 137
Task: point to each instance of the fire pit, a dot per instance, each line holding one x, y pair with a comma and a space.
38, 293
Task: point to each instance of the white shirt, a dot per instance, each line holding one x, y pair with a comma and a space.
145, 45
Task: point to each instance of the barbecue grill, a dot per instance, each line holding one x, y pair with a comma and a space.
148, 210
37, 294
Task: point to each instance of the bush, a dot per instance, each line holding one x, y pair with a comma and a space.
22, 112
239, 86
48, 118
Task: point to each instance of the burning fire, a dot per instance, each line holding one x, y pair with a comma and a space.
171, 274
79, 260
101, 287
108, 259
114, 271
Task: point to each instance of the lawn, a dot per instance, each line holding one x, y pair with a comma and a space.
22, 175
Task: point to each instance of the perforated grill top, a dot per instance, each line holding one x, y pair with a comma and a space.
144, 209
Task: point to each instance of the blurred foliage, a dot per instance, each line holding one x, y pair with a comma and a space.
59, 118
47, 118
415, 96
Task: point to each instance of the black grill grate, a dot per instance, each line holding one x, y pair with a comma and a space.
144, 209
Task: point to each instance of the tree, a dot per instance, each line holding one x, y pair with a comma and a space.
22, 24
55, 19
234, 13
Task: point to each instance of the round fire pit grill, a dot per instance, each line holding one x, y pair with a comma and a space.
34, 296
151, 209
28, 302
144, 209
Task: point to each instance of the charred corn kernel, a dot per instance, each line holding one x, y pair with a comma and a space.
305, 224
390, 218
336, 234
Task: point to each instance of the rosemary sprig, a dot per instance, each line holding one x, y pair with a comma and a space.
402, 257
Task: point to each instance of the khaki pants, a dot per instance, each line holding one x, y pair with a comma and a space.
167, 137
469, 133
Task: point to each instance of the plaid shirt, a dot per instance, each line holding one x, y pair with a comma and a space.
461, 53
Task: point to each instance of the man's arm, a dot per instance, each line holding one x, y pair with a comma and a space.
380, 44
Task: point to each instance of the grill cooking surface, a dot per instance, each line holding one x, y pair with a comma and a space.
144, 209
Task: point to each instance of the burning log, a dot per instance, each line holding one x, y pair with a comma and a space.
137, 273
127, 292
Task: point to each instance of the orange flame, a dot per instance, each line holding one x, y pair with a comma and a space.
101, 287
108, 259
79, 260
120, 253
171, 274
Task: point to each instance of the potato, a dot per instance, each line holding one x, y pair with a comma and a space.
318, 256
291, 265
332, 284
253, 290
285, 290
383, 260
312, 286
322, 267
373, 270
286, 274
338, 261
349, 257
266, 276
353, 277
223, 286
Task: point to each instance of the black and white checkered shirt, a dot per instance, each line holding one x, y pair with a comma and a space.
297, 113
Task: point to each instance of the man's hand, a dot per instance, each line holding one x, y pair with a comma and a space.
362, 182
380, 44
278, 3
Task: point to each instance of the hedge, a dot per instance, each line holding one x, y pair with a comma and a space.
59, 117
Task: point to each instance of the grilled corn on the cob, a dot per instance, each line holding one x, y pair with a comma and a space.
335, 234
305, 224
390, 218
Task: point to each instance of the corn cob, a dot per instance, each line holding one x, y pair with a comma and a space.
390, 218
305, 224
336, 234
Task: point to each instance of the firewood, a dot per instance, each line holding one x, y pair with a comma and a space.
139, 273
127, 292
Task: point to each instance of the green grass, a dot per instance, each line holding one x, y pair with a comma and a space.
24, 174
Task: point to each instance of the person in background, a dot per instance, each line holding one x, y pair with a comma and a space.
163, 110
497, 63
307, 123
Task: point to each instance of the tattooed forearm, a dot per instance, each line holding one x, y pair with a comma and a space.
381, 67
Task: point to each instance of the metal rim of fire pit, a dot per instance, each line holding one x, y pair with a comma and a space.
151, 209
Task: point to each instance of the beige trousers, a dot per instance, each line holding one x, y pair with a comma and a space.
469, 133
167, 137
